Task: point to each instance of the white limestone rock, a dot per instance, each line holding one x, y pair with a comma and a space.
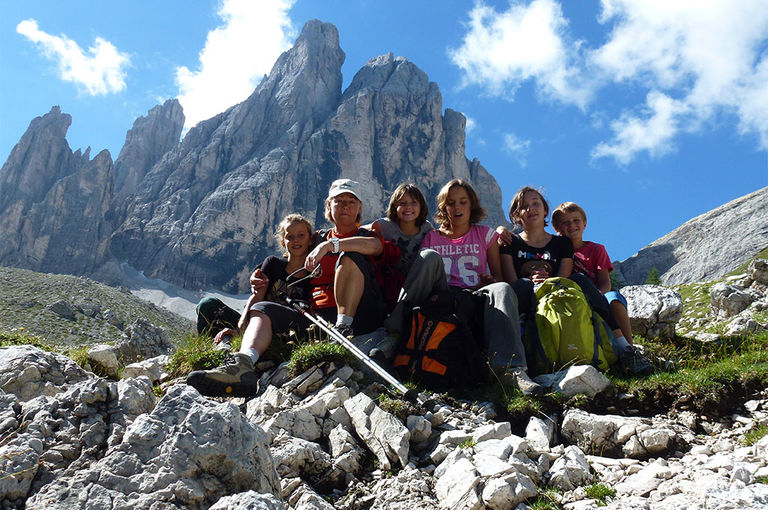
653, 310
384, 434
571, 470
458, 486
154, 368
508, 491
104, 359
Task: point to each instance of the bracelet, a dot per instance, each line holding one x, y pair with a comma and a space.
335, 243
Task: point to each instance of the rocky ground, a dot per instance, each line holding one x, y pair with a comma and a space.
332, 438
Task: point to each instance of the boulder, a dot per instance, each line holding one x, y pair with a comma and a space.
571, 470
63, 309
103, 359
728, 300
143, 340
153, 368
653, 310
384, 434
458, 486
188, 451
28, 372
574, 380
540, 433
617, 435
508, 491
250, 500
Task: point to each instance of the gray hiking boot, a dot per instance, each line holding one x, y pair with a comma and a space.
518, 378
234, 378
632, 363
345, 330
526, 385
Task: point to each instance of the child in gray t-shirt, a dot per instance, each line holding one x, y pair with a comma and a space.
405, 225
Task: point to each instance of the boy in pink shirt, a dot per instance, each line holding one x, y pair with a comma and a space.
591, 259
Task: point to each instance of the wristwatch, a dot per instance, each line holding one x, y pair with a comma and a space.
335, 242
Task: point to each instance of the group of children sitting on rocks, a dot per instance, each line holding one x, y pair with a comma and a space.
369, 275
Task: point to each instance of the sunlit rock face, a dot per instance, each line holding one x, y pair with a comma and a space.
706, 247
202, 212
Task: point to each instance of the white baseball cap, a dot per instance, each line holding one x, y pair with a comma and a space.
340, 186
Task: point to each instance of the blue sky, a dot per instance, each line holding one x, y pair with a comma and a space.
645, 113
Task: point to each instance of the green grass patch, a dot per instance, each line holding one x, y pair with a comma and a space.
195, 352
19, 337
755, 435
311, 354
396, 407
546, 499
600, 493
762, 479
743, 268
467, 443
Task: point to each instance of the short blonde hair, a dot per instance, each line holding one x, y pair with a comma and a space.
567, 207
282, 228
476, 213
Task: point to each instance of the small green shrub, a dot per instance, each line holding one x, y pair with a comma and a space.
19, 337
755, 435
79, 355
309, 355
600, 493
653, 277
468, 443
547, 499
195, 352
396, 407
762, 479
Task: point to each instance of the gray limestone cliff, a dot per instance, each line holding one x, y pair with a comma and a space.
201, 213
706, 247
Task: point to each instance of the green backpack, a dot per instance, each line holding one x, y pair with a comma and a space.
567, 331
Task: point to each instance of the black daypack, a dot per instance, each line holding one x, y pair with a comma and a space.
441, 342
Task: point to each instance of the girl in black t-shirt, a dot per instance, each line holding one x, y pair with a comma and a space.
534, 254
268, 282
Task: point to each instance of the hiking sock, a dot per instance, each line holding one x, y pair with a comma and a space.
252, 353
621, 343
344, 320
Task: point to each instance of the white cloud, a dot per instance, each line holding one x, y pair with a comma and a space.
501, 50
707, 53
654, 133
517, 147
100, 71
235, 57
710, 56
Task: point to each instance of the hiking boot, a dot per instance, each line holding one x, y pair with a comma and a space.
631, 362
519, 378
345, 330
526, 385
235, 378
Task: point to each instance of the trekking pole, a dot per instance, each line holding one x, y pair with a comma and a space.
303, 308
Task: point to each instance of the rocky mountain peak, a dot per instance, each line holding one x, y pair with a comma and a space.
706, 247
41, 157
145, 143
201, 213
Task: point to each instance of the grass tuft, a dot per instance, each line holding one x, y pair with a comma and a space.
20, 337
601, 493
311, 354
755, 435
195, 352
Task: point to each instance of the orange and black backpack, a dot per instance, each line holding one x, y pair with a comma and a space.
441, 344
